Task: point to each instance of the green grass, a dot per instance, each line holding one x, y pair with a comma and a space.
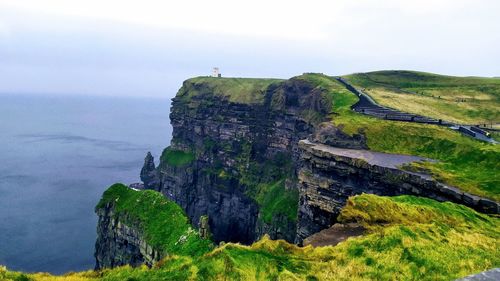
466, 163
466, 100
176, 158
274, 199
164, 223
237, 90
408, 238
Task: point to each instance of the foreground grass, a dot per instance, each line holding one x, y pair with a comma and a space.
464, 162
409, 238
465, 100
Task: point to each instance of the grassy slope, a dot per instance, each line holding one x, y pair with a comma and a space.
176, 158
463, 162
274, 199
238, 90
164, 223
409, 238
466, 100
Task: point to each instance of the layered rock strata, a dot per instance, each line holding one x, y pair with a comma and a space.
120, 242
329, 175
237, 148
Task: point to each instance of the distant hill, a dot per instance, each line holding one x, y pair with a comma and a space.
465, 100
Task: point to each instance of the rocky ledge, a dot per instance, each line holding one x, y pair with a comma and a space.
329, 175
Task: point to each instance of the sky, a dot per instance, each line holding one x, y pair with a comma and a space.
147, 48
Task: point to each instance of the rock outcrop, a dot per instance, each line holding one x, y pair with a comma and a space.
149, 175
119, 243
329, 175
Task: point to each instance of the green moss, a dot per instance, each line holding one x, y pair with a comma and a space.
176, 158
163, 222
274, 199
265, 183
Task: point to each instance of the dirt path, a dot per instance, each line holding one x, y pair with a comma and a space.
334, 235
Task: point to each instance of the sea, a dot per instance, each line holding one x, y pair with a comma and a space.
58, 154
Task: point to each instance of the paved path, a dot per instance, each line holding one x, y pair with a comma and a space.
387, 160
490, 275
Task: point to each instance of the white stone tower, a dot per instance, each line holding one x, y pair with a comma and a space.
215, 72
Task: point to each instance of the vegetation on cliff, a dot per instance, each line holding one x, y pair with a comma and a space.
239, 90
409, 238
463, 162
466, 100
274, 199
176, 158
164, 223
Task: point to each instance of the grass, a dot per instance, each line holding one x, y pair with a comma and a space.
466, 163
274, 199
464, 100
265, 183
409, 238
237, 90
176, 158
165, 225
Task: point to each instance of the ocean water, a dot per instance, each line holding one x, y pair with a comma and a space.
57, 156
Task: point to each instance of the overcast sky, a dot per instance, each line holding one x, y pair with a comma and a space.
148, 47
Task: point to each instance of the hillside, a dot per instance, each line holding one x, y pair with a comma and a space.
407, 237
464, 100
468, 164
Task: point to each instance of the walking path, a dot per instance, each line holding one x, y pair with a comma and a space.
366, 105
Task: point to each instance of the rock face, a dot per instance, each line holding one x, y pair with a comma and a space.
237, 146
329, 175
149, 175
119, 243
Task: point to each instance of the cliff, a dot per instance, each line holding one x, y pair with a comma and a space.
119, 243
235, 157
234, 153
329, 176
141, 227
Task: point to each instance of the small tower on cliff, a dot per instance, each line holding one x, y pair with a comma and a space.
215, 72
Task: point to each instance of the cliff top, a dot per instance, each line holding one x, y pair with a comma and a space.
462, 162
164, 223
238, 90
